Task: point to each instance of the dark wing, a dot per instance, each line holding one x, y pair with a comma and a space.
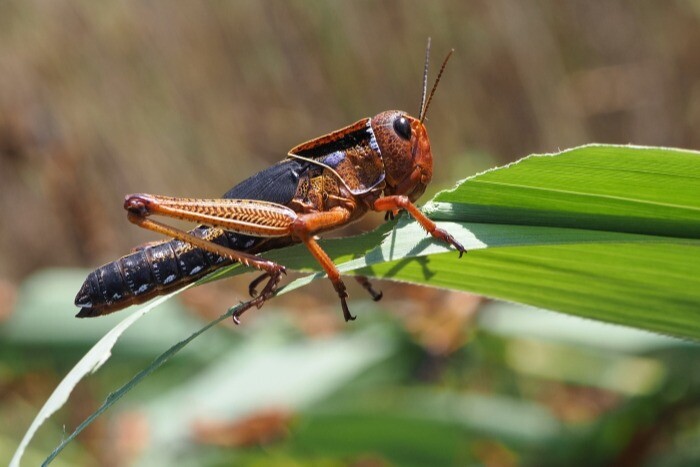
358, 134
352, 153
276, 184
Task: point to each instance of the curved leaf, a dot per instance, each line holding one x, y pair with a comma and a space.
604, 232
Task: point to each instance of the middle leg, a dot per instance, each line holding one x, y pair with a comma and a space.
304, 227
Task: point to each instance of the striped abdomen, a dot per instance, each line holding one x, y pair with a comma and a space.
154, 270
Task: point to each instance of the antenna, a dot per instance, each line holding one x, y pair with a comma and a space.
424, 108
425, 81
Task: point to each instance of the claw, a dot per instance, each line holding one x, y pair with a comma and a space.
267, 292
367, 285
342, 294
346, 311
237, 314
459, 247
255, 282
447, 238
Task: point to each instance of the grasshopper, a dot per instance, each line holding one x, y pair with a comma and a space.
382, 163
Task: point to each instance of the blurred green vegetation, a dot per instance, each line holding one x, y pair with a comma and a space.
102, 99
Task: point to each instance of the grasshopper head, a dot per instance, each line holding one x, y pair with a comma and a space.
405, 148
404, 144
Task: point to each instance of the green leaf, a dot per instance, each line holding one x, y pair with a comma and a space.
90, 363
604, 232
650, 191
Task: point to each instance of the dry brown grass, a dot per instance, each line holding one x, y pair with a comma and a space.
187, 98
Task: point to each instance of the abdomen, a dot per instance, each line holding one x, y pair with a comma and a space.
155, 270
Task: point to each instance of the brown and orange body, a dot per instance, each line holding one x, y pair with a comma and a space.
382, 163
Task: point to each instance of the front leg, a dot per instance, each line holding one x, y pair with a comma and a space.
394, 202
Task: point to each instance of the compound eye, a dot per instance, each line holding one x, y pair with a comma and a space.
403, 127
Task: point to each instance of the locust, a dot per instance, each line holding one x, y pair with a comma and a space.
382, 163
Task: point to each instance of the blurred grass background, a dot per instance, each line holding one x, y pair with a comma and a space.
98, 100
